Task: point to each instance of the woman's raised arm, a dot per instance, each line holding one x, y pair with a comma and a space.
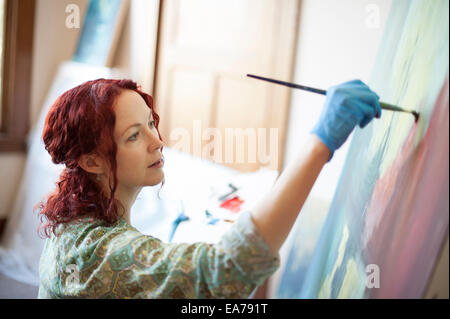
347, 105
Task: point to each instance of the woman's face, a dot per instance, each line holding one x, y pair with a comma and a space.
138, 143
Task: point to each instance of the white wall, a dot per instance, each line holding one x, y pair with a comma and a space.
136, 52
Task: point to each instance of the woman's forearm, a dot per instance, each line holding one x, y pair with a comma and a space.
275, 215
347, 105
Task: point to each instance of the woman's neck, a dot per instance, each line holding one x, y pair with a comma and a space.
126, 196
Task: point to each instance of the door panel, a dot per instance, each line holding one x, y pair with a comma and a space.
205, 50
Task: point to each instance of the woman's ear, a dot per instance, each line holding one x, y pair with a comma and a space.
92, 163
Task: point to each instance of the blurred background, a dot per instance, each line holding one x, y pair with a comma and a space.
192, 56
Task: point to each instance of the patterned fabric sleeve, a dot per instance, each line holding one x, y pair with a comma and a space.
232, 268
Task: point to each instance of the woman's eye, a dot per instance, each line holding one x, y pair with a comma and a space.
133, 137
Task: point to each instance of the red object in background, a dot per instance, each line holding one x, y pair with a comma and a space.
232, 204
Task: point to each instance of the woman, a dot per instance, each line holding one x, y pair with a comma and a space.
106, 134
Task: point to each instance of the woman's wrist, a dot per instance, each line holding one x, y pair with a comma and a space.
319, 149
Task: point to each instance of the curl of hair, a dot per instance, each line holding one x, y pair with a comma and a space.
81, 121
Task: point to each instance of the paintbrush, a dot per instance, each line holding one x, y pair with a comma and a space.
383, 105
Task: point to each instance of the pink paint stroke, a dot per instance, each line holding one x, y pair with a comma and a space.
407, 217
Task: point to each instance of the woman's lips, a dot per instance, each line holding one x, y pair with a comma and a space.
157, 164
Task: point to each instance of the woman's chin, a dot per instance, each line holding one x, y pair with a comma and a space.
157, 178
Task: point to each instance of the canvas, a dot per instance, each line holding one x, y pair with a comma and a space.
389, 216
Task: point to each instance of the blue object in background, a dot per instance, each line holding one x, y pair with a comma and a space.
181, 218
98, 32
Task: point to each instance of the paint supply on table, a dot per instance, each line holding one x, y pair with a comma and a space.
211, 220
233, 204
233, 190
182, 217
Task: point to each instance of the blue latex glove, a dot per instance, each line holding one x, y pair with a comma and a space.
347, 105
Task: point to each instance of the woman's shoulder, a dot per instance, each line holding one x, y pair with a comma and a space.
92, 227
93, 250
88, 233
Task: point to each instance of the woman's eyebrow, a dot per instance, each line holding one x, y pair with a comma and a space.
136, 124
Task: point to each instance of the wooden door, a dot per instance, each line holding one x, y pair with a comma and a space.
205, 49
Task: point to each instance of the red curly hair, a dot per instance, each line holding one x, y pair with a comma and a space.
81, 121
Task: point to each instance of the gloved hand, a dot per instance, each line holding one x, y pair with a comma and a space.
347, 105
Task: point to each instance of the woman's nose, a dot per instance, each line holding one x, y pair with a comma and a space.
154, 142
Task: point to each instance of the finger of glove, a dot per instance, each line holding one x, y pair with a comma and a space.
358, 104
347, 85
370, 98
373, 100
353, 83
356, 110
368, 112
378, 108
364, 122
357, 85
364, 93
360, 86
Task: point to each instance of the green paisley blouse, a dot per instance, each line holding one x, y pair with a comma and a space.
91, 259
